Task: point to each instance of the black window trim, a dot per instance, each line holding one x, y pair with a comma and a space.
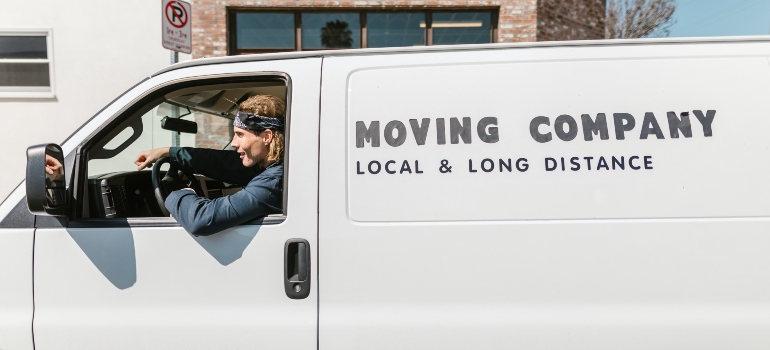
231, 23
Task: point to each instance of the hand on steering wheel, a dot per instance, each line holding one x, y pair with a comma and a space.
161, 192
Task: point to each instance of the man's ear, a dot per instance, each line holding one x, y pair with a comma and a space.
267, 135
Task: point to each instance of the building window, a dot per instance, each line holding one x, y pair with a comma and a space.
262, 31
389, 29
461, 28
26, 67
265, 30
326, 30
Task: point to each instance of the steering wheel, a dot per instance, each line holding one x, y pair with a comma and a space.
163, 186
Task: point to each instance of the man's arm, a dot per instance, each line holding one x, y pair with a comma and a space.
217, 164
203, 217
221, 165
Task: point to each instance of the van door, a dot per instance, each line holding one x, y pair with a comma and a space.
583, 197
145, 283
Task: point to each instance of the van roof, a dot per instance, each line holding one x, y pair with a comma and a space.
450, 48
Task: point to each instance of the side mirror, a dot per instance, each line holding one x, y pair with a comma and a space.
46, 188
179, 125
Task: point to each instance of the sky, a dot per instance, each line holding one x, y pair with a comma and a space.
721, 18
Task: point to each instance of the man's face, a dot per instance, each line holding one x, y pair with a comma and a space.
252, 146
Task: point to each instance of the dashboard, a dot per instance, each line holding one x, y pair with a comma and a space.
130, 194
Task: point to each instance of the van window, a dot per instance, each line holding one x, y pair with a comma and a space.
151, 136
116, 189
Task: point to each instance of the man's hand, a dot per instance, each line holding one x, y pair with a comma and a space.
53, 168
147, 158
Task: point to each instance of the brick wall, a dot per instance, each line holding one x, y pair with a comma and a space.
213, 132
517, 21
570, 19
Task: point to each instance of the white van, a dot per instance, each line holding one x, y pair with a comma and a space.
581, 195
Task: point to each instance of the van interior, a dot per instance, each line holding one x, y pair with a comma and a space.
196, 116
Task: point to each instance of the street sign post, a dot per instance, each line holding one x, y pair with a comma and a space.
177, 38
176, 26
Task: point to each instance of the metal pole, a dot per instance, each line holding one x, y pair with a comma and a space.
175, 135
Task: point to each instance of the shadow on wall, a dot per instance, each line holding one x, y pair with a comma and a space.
114, 254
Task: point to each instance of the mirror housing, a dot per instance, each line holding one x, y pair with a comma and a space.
46, 186
179, 125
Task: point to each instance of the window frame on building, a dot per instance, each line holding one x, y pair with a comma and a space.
232, 12
31, 92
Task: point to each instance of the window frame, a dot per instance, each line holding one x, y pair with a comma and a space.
20, 93
78, 189
232, 12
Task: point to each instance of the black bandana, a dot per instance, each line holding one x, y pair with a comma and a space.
255, 122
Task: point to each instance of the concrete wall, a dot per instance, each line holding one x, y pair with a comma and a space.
100, 49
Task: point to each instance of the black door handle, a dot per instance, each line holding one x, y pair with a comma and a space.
296, 277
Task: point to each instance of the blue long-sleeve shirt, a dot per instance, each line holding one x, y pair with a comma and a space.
262, 194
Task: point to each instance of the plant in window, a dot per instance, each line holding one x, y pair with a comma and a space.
335, 34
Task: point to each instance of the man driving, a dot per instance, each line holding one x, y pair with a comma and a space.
256, 163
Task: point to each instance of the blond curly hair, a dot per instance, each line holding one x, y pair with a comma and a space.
272, 107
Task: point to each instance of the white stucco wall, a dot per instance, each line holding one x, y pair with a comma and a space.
100, 49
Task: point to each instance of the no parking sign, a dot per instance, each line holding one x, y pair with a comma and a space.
176, 26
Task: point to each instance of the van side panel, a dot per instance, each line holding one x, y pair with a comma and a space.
16, 308
624, 138
577, 197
